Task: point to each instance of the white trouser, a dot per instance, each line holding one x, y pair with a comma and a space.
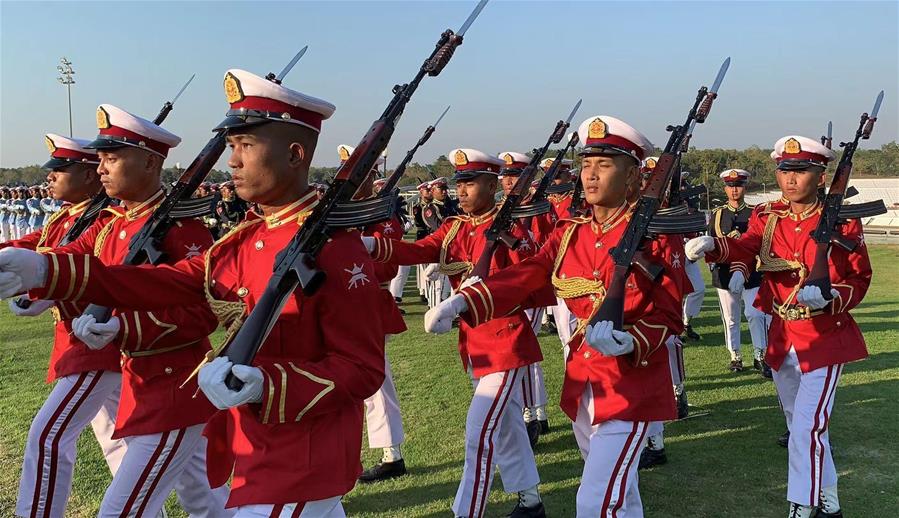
693, 301
566, 323
421, 282
327, 508
398, 283
50, 450
153, 466
678, 375
5, 234
382, 414
611, 452
533, 388
807, 401
492, 431
730, 317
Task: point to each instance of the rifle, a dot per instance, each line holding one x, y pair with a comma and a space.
502, 222
360, 213
628, 252
826, 232
576, 198
146, 245
538, 204
295, 265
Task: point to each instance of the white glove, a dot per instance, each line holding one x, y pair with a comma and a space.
812, 297
369, 243
698, 246
469, 281
608, 341
36, 308
432, 272
439, 319
94, 334
212, 382
20, 270
737, 283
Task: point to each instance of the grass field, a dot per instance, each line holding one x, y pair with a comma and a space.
724, 464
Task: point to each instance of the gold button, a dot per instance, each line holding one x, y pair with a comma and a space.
644, 363
259, 245
168, 370
511, 325
630, 285
596, 274
839, 323
242, 292
471, 233
592, 298
587, 355
66, 225
772, 254
122, 235
598, 244
795, 254
798, 229
563, 275
793, 275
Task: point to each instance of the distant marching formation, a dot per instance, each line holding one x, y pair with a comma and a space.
305, 279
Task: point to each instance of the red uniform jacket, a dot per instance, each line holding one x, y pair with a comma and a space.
561, 203
158, 349
321, 360
576, 260
786, 252
504, 344
69, 355
394, 323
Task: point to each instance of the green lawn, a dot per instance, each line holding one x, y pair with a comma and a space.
724, 464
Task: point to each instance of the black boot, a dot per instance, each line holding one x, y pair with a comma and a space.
533, 428
736, 365
784, 440
822, 514
650, 458
544, 426
383, 471
520, 511
766, 371
683, 407
691, 334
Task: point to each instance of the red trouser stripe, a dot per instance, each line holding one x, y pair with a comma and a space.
815, 438
489, 469
165, 465
630, 463
618, 463
144, 474
477, 474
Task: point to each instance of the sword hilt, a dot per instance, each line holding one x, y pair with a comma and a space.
869, 126
705, 107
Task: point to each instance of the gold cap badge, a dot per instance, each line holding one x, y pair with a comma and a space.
50, 145
650, 163
102, 118
344, 153
597, 129
460, 158
233, 93
507, 158
792, 146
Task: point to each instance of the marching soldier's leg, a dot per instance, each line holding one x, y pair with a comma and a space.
50, 449
149, 471
398, 283
421, 282
609, 482
654, 452
693, 301
533, 387
192, 488
492, 393
730, 318
385, 430
811, 467
104, 425
758, 330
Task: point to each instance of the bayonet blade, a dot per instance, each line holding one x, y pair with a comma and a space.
441, 117
692, 126
720, 77
183, 88
573, 111
471, 17
876, 105
290, 65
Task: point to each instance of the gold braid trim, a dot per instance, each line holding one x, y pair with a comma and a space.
46, 230
457, 268
577, 286
104, 233
230, 314
769, 263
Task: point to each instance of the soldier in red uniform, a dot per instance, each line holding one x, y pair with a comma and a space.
383, 417
616, 382
88, 382
495, 355
560, 201
810, 338
161, 422
291, 438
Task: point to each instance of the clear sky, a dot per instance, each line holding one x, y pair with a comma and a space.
795, 66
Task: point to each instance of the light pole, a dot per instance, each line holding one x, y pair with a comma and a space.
764, 189
66, 72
